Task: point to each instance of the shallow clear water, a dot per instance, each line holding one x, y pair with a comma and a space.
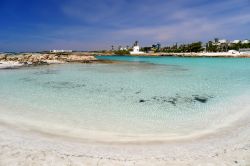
138, 96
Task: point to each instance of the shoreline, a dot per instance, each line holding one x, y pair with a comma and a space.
204, 55
13, 61
233, 121
113, 139
192, 54
26, 60
228, 146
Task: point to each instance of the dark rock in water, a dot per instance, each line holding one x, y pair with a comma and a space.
26, 79
201, 99
64, 85
142, 101
138, 92
45, 72
188, 100
40, 63
177, 99
172, 100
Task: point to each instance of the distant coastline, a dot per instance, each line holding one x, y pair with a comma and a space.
208, 54
30, 59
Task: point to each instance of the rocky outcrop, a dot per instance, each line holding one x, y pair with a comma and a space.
47, 58
3, 57
77, 58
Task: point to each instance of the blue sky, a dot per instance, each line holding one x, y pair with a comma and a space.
35, 25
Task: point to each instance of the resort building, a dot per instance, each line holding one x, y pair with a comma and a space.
245, 41
236, 41
222, 41
60, 51
123, 48
219, 42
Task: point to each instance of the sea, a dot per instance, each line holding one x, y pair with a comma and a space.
132, 98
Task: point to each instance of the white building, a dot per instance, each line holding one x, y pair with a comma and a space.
235, 41
136, 50
123, 49
60, 51
245, 41
222, 41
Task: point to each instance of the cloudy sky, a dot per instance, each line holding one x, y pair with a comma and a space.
35, 25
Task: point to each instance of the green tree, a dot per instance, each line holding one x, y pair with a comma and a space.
122, 52
196, 47
211, 47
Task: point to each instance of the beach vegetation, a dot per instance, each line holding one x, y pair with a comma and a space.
192, 47
237, 46
122, 52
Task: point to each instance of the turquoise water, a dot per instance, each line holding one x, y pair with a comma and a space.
142, 96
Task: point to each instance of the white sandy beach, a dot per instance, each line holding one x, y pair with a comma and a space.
24, 148
229, 145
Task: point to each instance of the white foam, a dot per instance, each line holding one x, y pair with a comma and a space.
10, 64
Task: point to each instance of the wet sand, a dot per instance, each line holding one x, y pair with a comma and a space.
227, 146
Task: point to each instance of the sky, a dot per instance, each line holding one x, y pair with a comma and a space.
38, 25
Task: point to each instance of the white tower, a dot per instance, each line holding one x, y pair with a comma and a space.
136, 49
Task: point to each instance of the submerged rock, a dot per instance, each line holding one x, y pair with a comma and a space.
62, 85
46, 72
138, 92
201, 99
142, 101
175, 100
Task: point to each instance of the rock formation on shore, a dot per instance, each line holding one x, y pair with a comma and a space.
40, 59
